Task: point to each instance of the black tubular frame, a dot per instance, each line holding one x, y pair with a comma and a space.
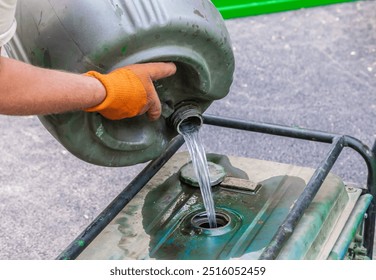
338, 142
110, 212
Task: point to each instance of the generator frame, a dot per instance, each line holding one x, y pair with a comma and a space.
337, 143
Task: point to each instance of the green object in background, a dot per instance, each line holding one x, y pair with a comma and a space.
242, 8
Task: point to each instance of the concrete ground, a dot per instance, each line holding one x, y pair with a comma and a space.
313, 68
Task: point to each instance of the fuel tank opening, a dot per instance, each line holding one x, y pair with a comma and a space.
201, 220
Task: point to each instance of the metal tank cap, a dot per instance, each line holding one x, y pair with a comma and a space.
216, 173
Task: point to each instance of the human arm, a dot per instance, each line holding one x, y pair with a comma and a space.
30, 90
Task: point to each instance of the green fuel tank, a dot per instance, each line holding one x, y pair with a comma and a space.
84, 35
252, 198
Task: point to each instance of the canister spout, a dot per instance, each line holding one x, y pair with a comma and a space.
187, 116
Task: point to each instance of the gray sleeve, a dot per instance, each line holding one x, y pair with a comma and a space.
7, 22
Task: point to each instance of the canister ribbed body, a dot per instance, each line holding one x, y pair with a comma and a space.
84, 35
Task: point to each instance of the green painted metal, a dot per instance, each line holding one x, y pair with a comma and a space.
242, 8
353, 227
163, 220
102, 35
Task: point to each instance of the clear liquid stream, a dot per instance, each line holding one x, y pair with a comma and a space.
196, 150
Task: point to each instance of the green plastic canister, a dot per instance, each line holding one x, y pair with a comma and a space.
84, 35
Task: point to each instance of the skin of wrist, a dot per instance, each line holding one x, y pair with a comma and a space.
98, 90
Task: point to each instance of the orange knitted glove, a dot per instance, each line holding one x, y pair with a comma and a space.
130, 90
